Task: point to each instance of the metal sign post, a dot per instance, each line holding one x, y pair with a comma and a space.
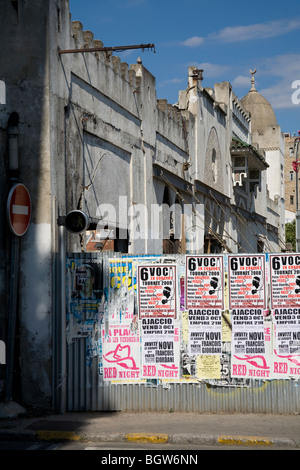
18, 215
13, 294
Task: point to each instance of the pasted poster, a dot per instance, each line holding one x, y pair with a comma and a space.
122, 271
286, 360
251, 353
248, 332
204, 282
86, 299
160, 328
208, 367
157, 290
246, 281
205, 331
160, 348
285, 304
85, 295
285, 280
122, 284
121, 353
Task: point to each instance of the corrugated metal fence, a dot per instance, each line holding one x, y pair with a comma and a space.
87, 391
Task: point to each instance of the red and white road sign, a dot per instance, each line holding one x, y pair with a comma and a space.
18, 209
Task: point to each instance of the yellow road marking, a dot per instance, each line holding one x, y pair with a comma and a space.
245, 440
147, 437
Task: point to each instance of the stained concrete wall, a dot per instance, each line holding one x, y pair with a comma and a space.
24, 66
115, 132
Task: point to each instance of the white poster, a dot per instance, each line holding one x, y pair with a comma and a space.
248, 332
160, 348
205, 331
287, 331
247, 364
121, 353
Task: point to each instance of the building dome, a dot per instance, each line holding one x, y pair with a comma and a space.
262, 114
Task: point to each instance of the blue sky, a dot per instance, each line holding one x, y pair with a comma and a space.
225, 38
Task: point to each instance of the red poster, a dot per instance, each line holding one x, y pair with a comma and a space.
157, 290
204, 286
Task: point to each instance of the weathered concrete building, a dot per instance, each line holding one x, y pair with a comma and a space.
290, 177
93, 136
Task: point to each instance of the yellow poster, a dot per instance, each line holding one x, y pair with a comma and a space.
208, 367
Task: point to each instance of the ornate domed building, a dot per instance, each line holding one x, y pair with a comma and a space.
262, 114
267, 136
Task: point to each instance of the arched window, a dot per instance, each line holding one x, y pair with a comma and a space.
213, 162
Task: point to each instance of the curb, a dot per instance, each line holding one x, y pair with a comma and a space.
161, 438
155, 438
43, 435
254, 441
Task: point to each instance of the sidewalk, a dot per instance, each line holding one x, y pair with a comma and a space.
176, 428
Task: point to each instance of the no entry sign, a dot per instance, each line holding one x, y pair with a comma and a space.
18, 209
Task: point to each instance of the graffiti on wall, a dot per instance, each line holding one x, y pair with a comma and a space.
225, 319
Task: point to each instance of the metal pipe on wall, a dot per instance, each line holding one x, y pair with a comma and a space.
61, 317
13, 167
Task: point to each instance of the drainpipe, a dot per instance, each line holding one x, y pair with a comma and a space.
61, 319
13, 167
13, 146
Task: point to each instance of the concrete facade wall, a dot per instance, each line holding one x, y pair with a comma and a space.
290, 179
25, 70
273, 145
